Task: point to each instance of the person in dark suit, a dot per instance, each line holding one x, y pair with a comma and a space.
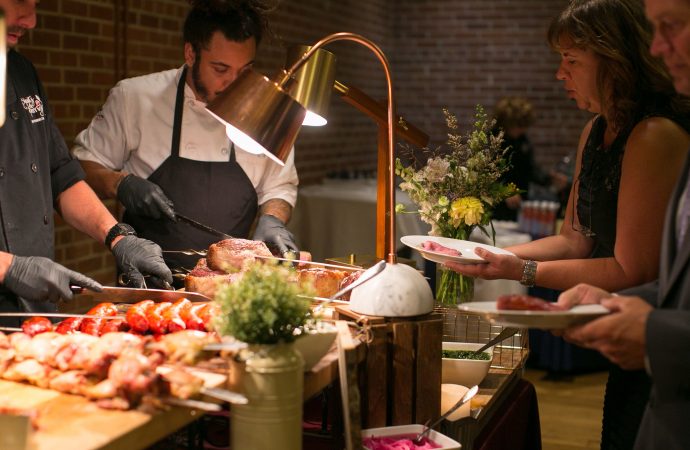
649, 325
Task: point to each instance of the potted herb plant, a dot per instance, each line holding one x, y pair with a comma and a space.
265, 309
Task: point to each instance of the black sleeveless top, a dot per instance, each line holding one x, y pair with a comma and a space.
599, 180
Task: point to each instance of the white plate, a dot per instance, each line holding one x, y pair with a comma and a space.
535, 319
465, 247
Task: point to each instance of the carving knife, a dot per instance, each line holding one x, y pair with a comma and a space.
129, 295
201, 226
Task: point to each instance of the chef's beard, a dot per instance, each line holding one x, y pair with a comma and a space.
199, 86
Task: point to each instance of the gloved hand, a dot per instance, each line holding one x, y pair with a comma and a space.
273, 232
36, 278
144, 198
136, 256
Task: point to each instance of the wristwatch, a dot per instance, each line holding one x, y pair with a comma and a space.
529, 273
119, 229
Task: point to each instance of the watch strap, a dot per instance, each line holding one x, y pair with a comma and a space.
119, 229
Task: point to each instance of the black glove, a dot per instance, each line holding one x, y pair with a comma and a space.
136, 256
36, 278
143, 198
273, 232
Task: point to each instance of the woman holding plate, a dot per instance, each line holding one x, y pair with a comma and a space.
629, 157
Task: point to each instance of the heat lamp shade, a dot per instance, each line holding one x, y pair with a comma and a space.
313, 82
259, 116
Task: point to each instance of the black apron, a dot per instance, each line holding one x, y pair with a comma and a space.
218, 194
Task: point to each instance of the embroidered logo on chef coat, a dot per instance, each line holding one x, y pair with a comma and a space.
34, 106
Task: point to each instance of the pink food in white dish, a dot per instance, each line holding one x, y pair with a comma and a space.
436, 247
400, 442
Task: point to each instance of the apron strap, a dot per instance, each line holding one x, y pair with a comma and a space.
177, 121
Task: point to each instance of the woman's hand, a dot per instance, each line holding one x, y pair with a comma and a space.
507, 267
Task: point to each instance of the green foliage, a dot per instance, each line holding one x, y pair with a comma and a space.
264, 307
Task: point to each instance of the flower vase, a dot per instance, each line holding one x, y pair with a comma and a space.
271, 376
453, 288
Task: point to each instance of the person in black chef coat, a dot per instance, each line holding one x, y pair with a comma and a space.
155, 147
37, 176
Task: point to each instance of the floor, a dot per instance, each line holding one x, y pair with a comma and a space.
570, 409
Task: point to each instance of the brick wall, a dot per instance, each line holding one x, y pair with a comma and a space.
453, 54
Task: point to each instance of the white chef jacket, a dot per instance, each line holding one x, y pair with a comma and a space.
133, 132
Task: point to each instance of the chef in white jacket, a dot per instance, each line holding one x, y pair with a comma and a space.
155, 148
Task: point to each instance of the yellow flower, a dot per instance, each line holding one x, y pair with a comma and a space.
466, 209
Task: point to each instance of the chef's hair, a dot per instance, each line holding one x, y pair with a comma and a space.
238, 20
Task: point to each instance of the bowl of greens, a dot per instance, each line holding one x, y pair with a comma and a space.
461, 365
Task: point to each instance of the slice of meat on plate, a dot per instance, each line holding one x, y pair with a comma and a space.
526, 303
436, 247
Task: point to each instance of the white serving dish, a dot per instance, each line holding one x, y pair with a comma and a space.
444, 441
450, 395
466, 372
315, 343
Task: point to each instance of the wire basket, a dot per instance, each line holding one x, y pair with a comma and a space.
461, 326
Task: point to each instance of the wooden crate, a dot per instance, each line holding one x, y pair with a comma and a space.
400, 379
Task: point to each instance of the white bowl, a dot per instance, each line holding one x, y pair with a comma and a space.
466, 372
450, 395
409, 431
315, 343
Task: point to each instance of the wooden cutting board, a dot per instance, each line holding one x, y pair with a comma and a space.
73, 422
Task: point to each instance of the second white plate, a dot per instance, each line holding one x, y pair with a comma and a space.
466, 248
535, 319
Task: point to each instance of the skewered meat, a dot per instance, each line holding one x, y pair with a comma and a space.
136, 316
192, 317
114, 325
436, 247
36, 325
206, 281
233, 255
154, 315
172, 316
118, 370
526, 303
93, 326
69, 325
325, 282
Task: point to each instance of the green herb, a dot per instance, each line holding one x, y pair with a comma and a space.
465, 354
264, 307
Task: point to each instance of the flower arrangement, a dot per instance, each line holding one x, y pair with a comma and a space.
457, 189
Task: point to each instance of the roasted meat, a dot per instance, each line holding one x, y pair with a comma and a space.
234, 255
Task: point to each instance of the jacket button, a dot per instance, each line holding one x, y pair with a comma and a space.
45, 220
2, 172
14, 115
34, 167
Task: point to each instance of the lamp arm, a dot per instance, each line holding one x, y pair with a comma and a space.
390, 161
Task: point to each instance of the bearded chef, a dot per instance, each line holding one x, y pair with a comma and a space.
155, 148
37, 177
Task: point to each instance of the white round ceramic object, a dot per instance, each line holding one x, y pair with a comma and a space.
398, 291
450, 395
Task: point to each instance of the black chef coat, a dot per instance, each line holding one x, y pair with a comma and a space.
35, 168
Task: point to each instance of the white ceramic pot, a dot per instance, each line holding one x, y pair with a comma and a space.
398, 291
